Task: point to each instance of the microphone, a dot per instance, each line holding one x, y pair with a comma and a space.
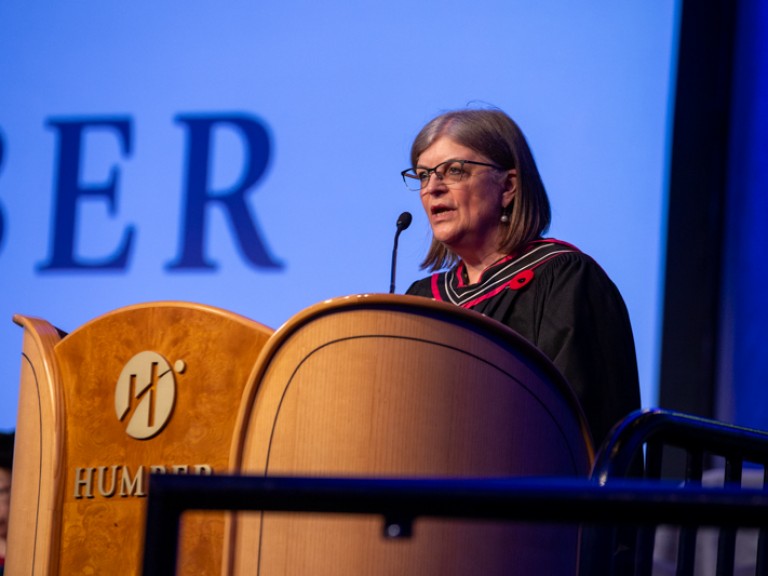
403, 221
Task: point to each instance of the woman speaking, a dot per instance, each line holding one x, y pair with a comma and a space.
488, 211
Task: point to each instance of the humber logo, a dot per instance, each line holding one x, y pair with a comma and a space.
146, 393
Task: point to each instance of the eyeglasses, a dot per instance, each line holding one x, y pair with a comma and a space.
450, 172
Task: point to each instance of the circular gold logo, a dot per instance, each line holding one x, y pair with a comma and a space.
145, 394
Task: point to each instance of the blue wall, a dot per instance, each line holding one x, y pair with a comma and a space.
247, 154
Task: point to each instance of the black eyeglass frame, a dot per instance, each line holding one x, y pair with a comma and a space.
410, 173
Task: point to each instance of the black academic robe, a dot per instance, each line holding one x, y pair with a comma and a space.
563, 302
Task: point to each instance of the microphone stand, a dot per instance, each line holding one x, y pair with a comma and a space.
402, 223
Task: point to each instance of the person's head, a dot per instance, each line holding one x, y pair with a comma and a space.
466, 214
6, 463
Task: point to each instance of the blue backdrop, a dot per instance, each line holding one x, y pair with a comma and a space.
247, 154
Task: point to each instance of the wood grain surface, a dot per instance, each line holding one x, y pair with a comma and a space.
389, 386
94, 522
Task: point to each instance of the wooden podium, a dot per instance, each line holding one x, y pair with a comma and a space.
381, 386
149, 388
372, 386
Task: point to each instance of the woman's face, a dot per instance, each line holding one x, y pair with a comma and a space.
465, 216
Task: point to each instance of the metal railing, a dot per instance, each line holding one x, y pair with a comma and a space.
399, 502
654, 434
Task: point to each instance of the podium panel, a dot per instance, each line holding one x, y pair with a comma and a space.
148, 388
398, 386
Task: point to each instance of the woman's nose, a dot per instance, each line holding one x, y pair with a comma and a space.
435, 184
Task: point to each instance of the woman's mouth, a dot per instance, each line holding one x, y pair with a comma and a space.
439, 210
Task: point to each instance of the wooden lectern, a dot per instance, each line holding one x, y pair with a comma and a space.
398, 386
371, 386
148, 388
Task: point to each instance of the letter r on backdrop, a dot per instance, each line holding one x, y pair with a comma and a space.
199, 195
